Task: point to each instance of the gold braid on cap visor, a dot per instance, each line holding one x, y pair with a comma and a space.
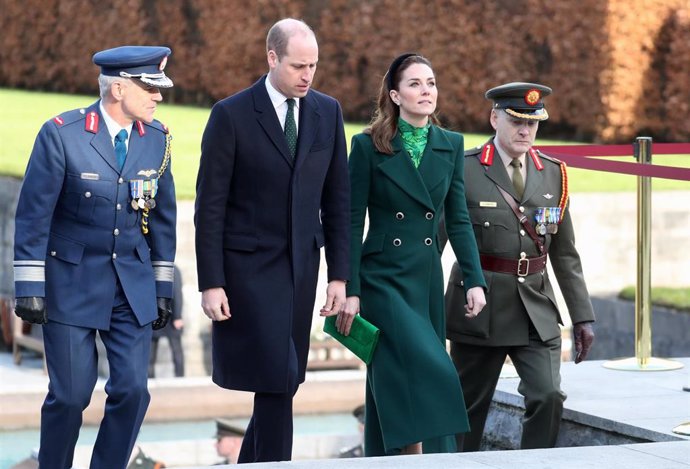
540, 114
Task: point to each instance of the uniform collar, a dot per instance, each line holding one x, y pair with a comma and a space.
113, 127
505, 158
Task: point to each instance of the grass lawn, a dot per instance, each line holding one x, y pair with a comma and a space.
23, 113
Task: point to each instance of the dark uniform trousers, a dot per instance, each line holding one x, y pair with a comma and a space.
541, 389
70, 388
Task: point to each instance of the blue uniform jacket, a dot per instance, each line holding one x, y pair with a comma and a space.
76, 232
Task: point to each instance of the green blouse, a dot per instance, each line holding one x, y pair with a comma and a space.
414, 140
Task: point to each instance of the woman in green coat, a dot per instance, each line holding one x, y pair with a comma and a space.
405, 170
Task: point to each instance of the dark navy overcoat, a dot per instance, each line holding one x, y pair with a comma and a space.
261, 219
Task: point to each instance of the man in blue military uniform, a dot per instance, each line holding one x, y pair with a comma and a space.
94, 251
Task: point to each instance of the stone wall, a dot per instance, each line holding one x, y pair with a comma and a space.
605, 233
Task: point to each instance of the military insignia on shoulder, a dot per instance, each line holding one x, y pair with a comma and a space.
58, 120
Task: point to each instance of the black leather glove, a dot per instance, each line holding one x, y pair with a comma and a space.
583, 338
164, 312
31, 309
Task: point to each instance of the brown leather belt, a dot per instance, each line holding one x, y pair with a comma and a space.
520, 267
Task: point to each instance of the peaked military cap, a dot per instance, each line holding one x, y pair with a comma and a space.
143, 62
522, 100
227, 428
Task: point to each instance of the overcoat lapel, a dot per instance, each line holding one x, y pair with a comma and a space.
266, 115
101, 141
308, 123
400, 170
437, 162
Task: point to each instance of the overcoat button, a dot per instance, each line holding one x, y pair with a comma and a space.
118, 207
53, 253
522, 232
87, 194
523, 254
521, 279
487, 224
427, 241
397, 242
429, 215
120, 181
114, 256
116, 232
522, 209
399, 215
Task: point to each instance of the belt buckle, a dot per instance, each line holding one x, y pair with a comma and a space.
523, 261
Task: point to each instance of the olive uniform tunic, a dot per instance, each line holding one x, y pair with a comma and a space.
413, 392
521, 318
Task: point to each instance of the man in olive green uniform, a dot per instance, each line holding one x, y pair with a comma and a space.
518, 202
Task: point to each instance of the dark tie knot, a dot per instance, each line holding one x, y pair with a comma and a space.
291, 104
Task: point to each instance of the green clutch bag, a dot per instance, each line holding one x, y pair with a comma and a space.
362, 339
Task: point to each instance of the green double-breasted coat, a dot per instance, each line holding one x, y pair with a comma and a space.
413, 391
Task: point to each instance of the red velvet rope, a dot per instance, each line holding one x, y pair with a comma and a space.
580, 156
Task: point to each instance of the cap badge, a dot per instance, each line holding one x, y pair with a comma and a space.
164, 62
532, 97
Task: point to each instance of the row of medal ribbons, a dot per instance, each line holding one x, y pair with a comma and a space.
547, 219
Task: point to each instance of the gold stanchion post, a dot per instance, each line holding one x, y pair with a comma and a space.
643, 360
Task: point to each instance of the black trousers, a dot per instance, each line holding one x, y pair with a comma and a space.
269, 433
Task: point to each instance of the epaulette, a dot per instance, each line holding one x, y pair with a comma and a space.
549, 158
473, 151
69, 117
158, 125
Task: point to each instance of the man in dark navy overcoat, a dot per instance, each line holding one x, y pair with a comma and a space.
272, 190
94, 251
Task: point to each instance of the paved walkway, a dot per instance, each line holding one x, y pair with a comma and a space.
640, 456
644, 406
